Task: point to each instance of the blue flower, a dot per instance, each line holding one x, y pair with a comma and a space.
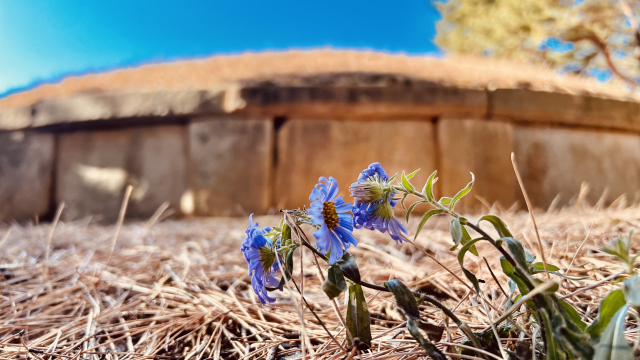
373, 205
256, 249
332, 214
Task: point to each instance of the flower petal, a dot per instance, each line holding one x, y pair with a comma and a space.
346, 236
346, 207
316, 194
346, 221
323, 238
336, 248
333, 188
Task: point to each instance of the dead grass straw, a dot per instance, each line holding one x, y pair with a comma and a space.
179, 289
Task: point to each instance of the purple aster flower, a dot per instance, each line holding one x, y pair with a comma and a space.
332, 214
373, 205
261, 259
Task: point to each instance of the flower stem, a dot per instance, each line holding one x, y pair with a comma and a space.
427, 298
461, 324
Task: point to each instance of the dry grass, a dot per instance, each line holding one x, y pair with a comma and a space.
179, 289
217, 71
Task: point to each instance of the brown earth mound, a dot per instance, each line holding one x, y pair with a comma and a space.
218, 70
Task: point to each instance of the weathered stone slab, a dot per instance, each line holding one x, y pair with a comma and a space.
94, 168
26, 171
523, 104
86, 107
561, 108
480, 146
231, 166
360, 95
555, 161
610, 113
308, 149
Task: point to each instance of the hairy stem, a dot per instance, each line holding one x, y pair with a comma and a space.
461, 324
427, 298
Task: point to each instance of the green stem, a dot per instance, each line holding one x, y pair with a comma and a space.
427, 298
461, 324
477, 229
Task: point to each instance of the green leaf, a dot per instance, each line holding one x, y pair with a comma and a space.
412, 206
553, 349
349, 267
412, 174
613, 344
517, 251
286, 232
464, 235
467, 273
358, 319
428, 186
512, 289
620, 247
574, 316
456, 231
402, 201
426, 217
608, 308
462, 193
444, 200
563, 275
539, 267
498, 224
509, 270
404, 297
406, 184
566, 331
465, 239
631, 289
529, 257
335, 283
427, 345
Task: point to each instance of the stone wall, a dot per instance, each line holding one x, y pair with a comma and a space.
257, 147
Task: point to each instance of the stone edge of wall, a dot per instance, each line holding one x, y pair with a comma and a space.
83, 108
351, 96
375, 99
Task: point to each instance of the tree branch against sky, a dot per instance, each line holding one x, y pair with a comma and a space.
590, 37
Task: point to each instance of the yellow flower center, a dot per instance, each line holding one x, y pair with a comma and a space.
330, 215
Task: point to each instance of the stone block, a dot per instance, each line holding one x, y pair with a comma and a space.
556, 161
231, 166
561, 108
610, 113
94, 168
480, 146
308, 149
360, 96
96, 106
26, 170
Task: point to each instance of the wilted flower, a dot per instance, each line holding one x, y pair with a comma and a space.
256, 249
368, 190
373, 208
332, 214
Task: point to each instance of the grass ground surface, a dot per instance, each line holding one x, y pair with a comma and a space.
179, 289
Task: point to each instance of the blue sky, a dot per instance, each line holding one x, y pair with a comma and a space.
43, 40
